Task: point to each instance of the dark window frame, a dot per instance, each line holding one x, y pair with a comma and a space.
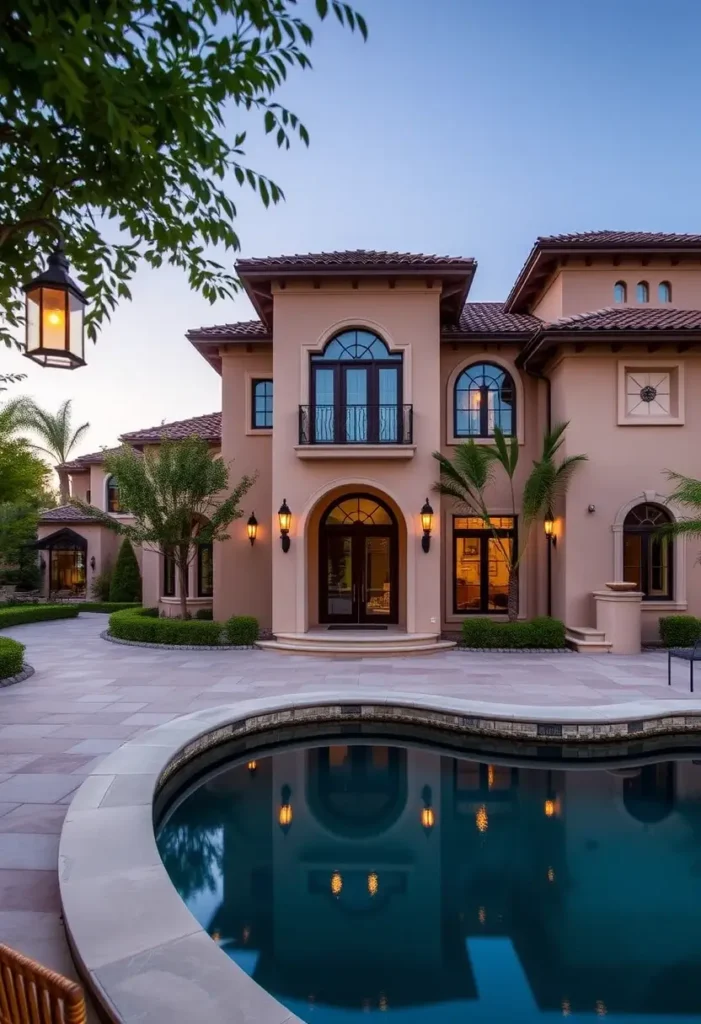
112, 485
485, 533
642, 288
484, 433
664, 292
648, 533
200, 549
267, 413
168, 584
624, 292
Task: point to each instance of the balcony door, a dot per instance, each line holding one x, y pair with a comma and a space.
356, 387
358, 563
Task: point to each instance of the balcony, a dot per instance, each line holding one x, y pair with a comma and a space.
356, 431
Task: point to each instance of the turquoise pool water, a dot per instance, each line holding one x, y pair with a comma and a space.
376, 878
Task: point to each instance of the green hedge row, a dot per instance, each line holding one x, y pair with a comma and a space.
106, 606
11, 657
16, 615
541, 632
680, 630
144, 626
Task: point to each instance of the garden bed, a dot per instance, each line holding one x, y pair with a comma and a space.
143, 626
12, 666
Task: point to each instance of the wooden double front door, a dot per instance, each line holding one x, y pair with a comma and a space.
358, 562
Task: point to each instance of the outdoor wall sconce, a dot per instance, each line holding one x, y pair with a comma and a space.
284, 816
252, 528
92, 563
549, 527
428, 815
252, 766
55, 308
426, 525
285, 518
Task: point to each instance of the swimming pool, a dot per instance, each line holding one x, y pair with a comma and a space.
373, 875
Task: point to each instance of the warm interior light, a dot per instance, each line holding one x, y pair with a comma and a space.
373, 883
336, 883
285, 814
490, 776
426, 517
284, 516
428, 817
549, 808
54, 317
548, 526
481, 819
252, 765
252, 527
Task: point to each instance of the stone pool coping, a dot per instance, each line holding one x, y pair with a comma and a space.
141, 953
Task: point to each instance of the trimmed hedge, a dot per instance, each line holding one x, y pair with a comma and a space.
125, 585
107, 606
540, 632
18, 614
680, 630
11, 657
143, 626
204, 614
241, 630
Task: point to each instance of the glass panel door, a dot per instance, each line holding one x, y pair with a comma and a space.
376, 583
356, 403
339, 577
388, 411
67, 569
324, 406
498, 574
468, 574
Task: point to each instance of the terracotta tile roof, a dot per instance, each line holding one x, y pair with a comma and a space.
84, 462
626, 318
352, 259
490, 318
246, 330
65, 514
621, 239
207, 427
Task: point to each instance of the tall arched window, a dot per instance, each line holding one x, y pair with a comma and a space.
620, 292
647, 554
642, 291
113, 503
664, 291
484, 398
356, 392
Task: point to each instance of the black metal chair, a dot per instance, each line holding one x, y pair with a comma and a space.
690, 654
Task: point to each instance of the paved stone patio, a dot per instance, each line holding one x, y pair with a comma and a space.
87, 697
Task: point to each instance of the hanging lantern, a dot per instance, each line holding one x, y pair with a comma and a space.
55, 307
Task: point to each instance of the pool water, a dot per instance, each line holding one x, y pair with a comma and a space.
380, 878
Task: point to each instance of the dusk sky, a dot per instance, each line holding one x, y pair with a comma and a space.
462, 127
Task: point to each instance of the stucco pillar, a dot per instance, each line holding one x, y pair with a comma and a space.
618, 615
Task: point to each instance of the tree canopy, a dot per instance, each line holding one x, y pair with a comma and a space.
113, 135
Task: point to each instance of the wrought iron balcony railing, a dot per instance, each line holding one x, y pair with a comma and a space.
356, 424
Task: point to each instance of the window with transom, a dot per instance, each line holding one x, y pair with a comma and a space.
481, 556
485, 398
647, 552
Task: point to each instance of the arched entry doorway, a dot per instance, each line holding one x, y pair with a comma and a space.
358, 562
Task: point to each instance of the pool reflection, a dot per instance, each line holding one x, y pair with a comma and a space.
358, 878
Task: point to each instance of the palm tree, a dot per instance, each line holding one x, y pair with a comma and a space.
55, 431
687, 494
466, 477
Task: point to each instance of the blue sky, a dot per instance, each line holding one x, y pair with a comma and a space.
465, 127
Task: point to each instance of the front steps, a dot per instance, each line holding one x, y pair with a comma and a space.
586, 640
356, 643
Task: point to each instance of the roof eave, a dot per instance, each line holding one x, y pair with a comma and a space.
544, 340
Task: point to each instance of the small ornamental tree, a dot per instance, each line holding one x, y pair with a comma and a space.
178, 496
125, 584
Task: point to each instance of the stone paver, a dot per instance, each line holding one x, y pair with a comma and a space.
87, 697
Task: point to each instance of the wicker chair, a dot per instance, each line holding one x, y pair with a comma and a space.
32, 994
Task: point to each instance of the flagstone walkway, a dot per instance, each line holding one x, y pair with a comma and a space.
87, 697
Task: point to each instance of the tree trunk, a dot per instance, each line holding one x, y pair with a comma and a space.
512, 605
182, 575
63, 486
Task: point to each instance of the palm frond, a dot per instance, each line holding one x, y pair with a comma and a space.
687, 492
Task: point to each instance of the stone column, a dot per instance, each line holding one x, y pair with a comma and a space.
618, 615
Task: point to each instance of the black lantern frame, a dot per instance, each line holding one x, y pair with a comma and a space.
55, 294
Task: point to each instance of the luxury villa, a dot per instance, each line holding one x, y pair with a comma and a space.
360, 366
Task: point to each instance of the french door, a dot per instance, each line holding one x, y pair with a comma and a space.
358, 575
356, 404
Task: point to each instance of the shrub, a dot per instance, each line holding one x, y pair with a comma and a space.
241, 630
144, 626
21, 613
11, 657
100, 587
126, 578
540, 632
106, 606
204, 614
680, 630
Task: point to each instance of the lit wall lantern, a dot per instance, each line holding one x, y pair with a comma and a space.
92, 563
373, 883
284, 815
252, 767
252, 528
426, 525
336, 883
55, 308
428, 815
549, 527
285, 518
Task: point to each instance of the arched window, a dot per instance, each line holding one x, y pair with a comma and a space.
647, 554
664, 291
642, 291
356, 393
485, 398
620, 292
113, 503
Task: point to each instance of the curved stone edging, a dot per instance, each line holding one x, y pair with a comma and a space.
106, 635
26, 672
141, 953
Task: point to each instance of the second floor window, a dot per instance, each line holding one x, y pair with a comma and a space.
664, 291
484, 399
262, 404
642, 291
620, 292
113, 503
356, 391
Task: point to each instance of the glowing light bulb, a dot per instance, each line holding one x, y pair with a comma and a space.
481, 819
54, 317
336, 883
549, 808
373, 883
490, 776
252, 765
